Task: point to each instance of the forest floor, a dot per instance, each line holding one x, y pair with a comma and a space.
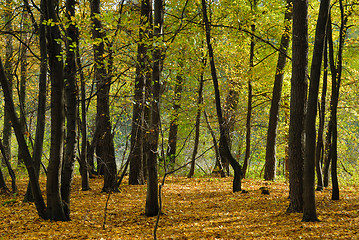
198, 208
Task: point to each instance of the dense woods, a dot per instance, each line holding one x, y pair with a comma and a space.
133, 91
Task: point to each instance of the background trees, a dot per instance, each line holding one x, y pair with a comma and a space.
125, 66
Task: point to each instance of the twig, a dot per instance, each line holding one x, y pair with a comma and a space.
105, 210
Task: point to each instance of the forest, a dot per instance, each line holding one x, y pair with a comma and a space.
188, 119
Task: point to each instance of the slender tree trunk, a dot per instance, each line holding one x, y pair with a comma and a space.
309, 205
297, 104
152, 207
136, 156
9, 75
172, 135
270, 162
197, 126
223, 142
84, 166
41, 108
320, 148
35, 187
71, 106
11, 172
334, 150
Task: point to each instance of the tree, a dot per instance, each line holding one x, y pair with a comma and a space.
223, 142
71, 105
297, 104
55, 207
152, 207
103, 137
136, 156
309, 206
270, 162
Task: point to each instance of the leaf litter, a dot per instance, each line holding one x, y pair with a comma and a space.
198, 208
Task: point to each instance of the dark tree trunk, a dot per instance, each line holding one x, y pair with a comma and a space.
297, 104
55, 206
334, 110
3, 187
9, 168
35, 187
320, 147
23, 78
84, 166
270, 162
9, 75
223, 142
136, 158
309, 205
41, 108
104, 140
152, 207
197, 126
218, 167
71, 106
172, 135
249, 104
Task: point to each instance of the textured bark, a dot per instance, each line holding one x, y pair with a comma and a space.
152, 205
197, 126
41, 108
309, 205
297, 104
36, 192
104, 140
270, 160
136, 156
320, 147
8, 68
249, 102
223, 142
84, 166
71, 106
55, 206
172, 135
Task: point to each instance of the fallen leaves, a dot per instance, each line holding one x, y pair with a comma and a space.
201, 208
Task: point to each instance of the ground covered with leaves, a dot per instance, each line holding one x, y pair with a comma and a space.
199, 208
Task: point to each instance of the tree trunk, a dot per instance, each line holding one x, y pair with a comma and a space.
249, 104
71, 105
309, 205
136, 156
223, 142
84, 166
35, 187
11, 172
270, 162
9, 75
152, 207
41, 108
320, 147
197, 126
55, 206
297, 104
104, 143
172, 135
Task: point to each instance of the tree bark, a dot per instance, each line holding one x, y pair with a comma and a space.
35, 187
309, 205
41, 108
71, 105
297, 104
270, 161
152, 206
223, 142
104, 140
197, 126
136, 156
172, 135
55, 206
